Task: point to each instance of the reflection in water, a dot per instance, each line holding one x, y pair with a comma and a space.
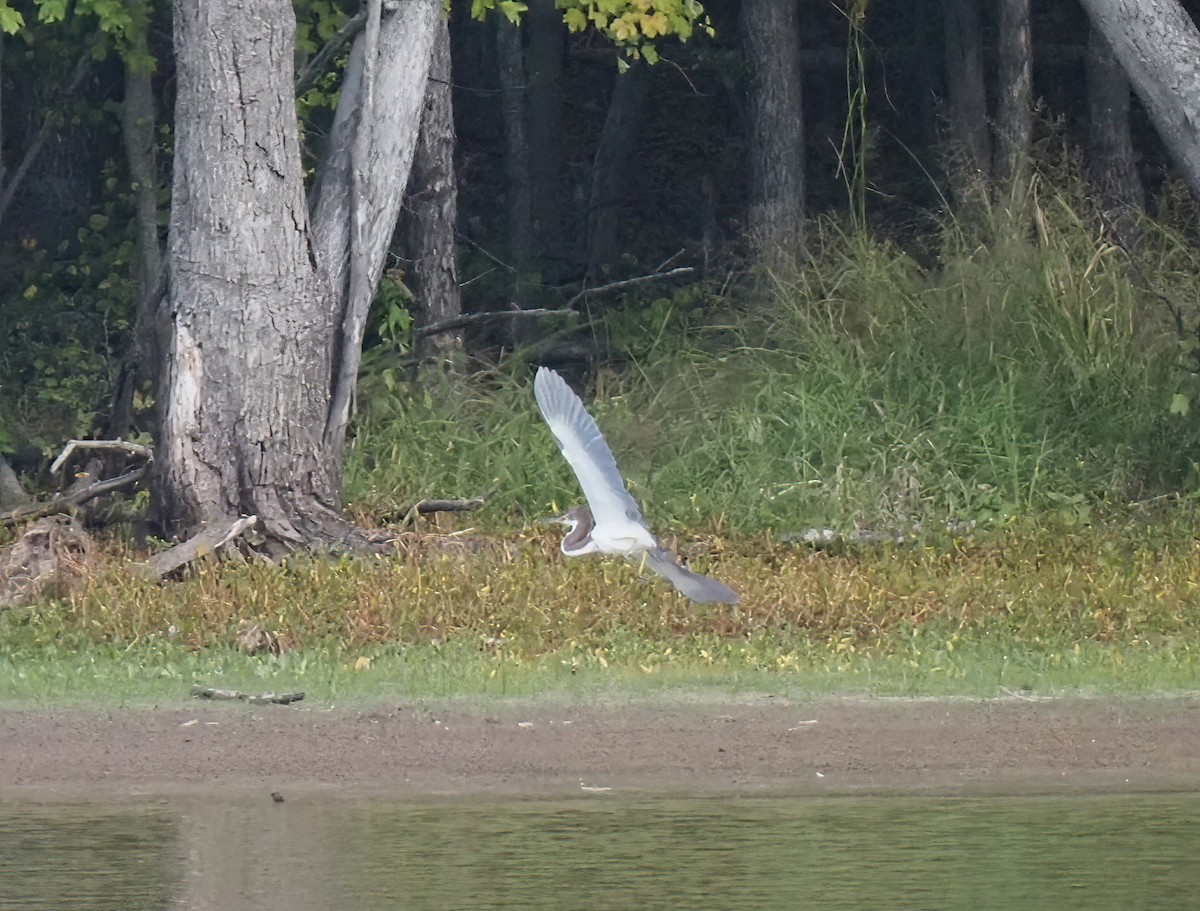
85, 856
606, 853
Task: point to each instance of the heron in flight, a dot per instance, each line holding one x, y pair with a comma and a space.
610, 523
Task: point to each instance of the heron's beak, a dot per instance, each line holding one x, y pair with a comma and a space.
554, 520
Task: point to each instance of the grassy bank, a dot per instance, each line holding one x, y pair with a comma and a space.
1110, 608
1013, 403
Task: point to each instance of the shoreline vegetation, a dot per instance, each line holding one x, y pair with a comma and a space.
1012, 409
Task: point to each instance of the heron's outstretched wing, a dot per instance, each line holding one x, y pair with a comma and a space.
585, 450
692, 585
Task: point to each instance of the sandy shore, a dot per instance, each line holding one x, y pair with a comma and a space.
759, 746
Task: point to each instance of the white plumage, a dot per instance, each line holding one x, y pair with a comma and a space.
611, 523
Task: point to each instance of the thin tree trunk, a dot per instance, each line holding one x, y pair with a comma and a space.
770, 35
516, 144
1014, 109
1110, 145
433, 210
618, 139
965, 89
544, 60
1157, 45
138, 123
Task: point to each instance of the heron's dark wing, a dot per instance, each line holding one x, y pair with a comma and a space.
691, 585
585, 450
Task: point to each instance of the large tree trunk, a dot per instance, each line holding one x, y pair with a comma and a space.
1110, 146
618, 139
1157, 45
433, 211
770, 34
965, 90
1014, 91
265, 315
251, 314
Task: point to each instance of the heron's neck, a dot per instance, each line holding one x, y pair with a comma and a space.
578, 540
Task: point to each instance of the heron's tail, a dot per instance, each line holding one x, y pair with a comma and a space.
691, 585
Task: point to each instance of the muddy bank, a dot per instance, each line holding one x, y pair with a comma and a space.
760, 746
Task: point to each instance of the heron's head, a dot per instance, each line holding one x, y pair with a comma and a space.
579, 539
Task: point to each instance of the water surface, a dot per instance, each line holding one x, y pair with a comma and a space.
605, 852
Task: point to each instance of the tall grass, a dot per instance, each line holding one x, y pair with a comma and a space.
1024, 368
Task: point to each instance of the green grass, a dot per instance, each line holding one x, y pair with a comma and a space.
1021, 374
1108, 607
983, 663
1028, 367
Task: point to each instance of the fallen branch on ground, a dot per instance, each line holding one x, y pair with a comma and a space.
209, 692
206, 542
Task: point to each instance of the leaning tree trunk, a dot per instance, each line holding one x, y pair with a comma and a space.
1110, 145
1158, 44
965, 90
361, 184
1014, 91
265, 314
770, 35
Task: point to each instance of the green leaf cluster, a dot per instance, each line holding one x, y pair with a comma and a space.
632, 25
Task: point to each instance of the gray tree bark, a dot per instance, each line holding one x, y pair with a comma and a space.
432, 215
965, 87
251, 312
1110, 145
1158, 46
265, 312
1014, 90
361, 184
770, 34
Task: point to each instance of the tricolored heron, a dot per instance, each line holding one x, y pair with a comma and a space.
610, 523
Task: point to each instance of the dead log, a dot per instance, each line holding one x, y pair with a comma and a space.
210, 692
204, 544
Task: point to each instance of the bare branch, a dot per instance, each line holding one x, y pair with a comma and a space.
207, 542
120, 445
69, 501
458, 322
626, 282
